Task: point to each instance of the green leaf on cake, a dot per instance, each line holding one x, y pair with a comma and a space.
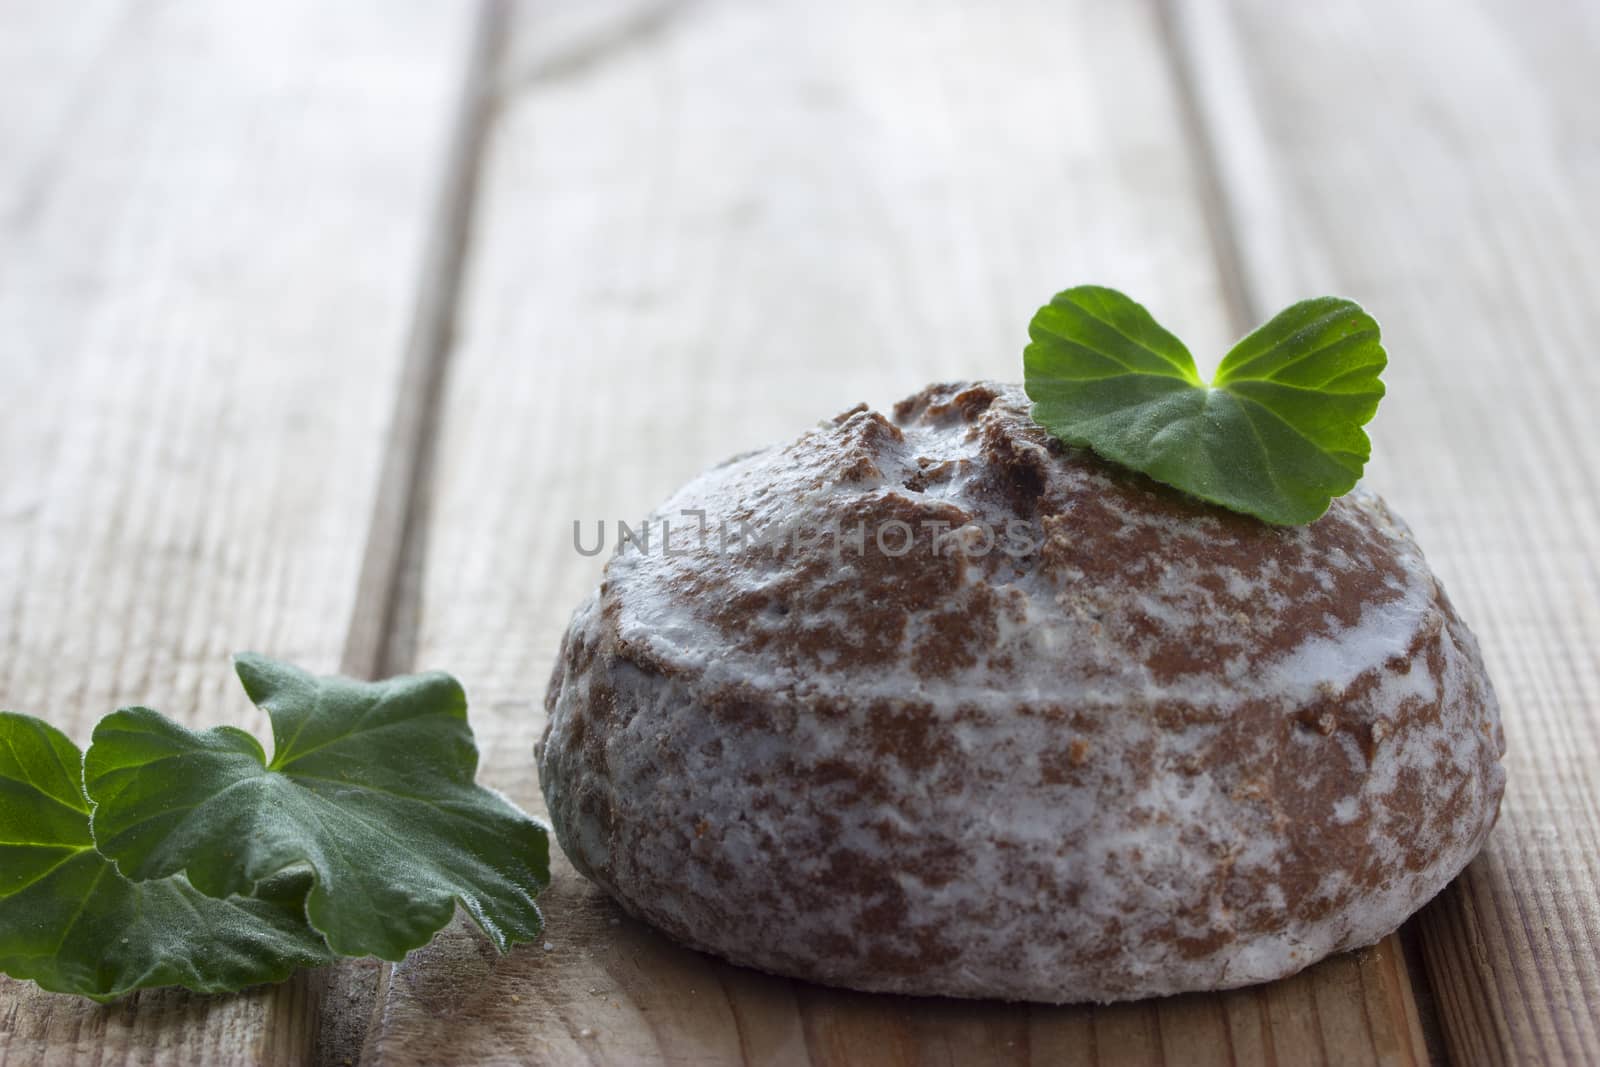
1277, 434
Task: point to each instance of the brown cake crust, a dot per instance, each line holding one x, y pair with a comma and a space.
1149, 747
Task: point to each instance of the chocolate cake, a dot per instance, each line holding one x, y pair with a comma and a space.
935, 704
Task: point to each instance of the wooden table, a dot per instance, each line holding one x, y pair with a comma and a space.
320, 323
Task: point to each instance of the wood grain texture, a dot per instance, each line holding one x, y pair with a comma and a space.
1439, 162
702, 228
211, 225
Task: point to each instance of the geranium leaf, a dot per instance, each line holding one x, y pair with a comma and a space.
1278, 433
71, 923
370, 788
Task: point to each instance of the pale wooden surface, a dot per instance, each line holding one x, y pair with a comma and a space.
211, 228
253, 404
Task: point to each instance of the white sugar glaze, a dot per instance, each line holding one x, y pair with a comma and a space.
1167, 749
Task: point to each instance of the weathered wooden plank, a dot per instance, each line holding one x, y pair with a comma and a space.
1439, 162
212, 226
702, 228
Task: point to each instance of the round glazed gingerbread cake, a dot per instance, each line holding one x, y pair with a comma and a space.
935, 704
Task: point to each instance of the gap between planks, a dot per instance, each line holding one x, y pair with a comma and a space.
383, 623
381, 637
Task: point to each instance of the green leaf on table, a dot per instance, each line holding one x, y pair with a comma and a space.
71, 923
370, 789
1277, 434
